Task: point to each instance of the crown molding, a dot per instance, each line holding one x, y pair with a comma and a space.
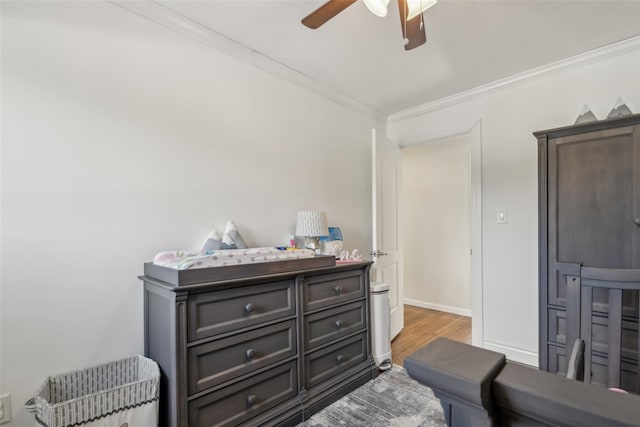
436, 134
161, 15
615, 49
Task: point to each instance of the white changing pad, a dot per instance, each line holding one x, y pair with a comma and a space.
183, 260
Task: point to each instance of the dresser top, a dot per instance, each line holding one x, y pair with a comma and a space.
175, 280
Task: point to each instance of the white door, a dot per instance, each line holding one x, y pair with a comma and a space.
387, 250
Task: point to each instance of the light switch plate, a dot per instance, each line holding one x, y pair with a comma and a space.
502, 216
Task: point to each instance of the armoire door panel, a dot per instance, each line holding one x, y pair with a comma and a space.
594, 206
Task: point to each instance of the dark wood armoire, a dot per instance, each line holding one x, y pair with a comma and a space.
589, 215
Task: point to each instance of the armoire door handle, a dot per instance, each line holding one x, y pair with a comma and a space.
636, 221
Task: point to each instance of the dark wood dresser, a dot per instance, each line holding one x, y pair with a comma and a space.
267, 349
589, 216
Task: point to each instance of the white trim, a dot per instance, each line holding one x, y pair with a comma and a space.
515, 354
477, 290
160, 14
436, 134
446, 308
615, 49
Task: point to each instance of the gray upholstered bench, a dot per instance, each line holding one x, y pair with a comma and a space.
529, 397
460, 376
478, 387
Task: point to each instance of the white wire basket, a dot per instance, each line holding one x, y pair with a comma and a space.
122, 394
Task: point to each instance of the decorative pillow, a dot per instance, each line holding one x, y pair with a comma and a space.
228, 246
213, 242
232, 237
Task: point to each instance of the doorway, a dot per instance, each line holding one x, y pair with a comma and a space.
472, 130
437, 224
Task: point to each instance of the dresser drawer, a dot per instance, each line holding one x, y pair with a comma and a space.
330, 361
217, 312
222, 360
325, 326
239, 402
329, 289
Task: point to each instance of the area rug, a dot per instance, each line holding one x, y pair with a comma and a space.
392, 399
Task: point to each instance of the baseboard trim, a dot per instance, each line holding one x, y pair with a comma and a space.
447, 309
514, 354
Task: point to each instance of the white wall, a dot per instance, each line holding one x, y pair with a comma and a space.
436, 225
509, 177
120, 139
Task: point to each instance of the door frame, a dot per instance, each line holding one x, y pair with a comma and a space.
474, 130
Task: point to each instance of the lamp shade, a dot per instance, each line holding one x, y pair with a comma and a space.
416, 7
377, 7
312, 224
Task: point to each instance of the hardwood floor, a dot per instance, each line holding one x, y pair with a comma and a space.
422, 325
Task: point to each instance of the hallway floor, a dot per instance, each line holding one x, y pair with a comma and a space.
422, 325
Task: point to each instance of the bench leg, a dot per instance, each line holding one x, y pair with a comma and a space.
457, 414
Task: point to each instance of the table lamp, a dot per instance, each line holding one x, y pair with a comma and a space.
311, 225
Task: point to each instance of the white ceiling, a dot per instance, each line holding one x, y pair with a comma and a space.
469, 42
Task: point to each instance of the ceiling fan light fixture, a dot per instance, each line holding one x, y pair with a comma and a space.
377, 7
413, 33
416, 7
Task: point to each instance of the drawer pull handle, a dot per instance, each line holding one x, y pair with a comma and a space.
338, 289
251, 400
250, 354
339, 324
339, 358
249, 308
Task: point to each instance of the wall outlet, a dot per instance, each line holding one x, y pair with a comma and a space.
5, 408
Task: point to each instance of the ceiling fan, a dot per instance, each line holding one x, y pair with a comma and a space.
411, 20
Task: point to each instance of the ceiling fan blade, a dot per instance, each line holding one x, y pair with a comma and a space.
412, 30
325, 12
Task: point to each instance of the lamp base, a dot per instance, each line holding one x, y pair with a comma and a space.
313, 243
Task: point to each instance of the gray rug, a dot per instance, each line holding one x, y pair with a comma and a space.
393, 399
